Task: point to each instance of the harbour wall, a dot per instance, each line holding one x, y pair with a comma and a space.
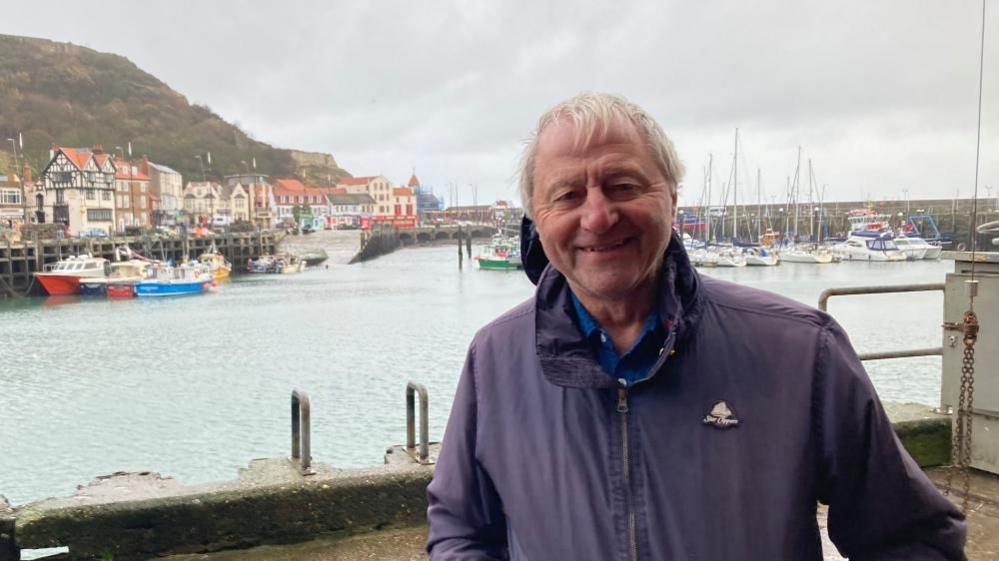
20, 260
384, 240
141, 516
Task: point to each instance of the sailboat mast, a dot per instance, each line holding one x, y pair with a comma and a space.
707, 234
759, 207
735, 190
797, 193
811, 204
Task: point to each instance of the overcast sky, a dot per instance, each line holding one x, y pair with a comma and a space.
881, 96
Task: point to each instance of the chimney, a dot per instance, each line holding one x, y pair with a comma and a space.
144, 166
26, 174
52, 151
97, 149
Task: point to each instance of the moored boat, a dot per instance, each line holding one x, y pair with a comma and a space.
502, 254
216, 263
119, 281
166, 280
868, 246
64, 277
761, 257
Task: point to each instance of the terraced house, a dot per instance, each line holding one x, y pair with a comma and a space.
77, 189
133, 206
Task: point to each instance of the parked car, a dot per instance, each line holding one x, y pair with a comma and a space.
94, 233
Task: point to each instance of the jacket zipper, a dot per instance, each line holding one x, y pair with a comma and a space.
622, 409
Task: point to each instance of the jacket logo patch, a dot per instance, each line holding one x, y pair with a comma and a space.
721, 416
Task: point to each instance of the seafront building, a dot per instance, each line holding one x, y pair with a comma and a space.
298, 205
261, 197
11, 209
77, 189
349, 211
200, 201
132, 205
167, 185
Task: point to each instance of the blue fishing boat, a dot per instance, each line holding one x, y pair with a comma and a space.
165, 280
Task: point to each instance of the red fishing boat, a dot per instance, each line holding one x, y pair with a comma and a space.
64, 277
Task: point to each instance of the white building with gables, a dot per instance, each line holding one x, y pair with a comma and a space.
77, 189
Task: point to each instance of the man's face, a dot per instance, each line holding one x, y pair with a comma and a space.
603, 211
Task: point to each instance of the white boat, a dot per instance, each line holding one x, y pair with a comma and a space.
731, 258
760, 257
868, 246
812, 255
704, 258
914, 249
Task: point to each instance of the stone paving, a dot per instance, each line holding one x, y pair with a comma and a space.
406, 544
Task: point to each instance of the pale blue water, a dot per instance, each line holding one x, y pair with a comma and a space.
195, 387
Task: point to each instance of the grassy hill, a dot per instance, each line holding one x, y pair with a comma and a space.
74, 96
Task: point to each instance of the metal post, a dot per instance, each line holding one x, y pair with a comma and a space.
411, 388
301, 437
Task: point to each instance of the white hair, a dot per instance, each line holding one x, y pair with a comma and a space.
592, 115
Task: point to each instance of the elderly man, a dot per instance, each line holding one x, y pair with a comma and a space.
633, 409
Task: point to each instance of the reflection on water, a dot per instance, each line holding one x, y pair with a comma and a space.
196, 387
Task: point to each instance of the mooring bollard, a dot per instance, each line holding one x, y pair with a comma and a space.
301, 438
424, 453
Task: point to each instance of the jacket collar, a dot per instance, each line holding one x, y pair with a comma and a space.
565, 355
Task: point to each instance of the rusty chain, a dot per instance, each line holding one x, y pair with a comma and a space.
960, 451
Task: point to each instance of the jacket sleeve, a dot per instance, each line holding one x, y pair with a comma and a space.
465, 515
881, 505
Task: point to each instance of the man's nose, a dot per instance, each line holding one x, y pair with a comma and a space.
599, 213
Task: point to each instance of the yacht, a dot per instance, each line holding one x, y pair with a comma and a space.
869, 246
804, 254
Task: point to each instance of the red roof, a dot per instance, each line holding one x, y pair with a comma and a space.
282, 189
125, 171
291, 184
356, 180
413, 181
402, 192
78, 158
339, 191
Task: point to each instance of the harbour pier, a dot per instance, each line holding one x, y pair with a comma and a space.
20, 260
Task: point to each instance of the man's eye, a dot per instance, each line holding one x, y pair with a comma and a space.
566, 196
622, 189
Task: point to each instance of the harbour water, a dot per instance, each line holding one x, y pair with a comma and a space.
195, 387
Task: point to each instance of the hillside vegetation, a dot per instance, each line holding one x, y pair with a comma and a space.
64, 94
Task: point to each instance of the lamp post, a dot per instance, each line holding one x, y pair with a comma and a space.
20, 178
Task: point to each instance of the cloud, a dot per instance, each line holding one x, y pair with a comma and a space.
882, 95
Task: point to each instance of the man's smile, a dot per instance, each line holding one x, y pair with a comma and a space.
605, 246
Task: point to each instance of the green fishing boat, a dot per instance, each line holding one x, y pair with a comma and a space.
502, 254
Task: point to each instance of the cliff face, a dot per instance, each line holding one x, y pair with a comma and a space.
317, 169
64, 94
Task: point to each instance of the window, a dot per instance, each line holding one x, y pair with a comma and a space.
108, 177
91, 195
106, 195
60, 197
10, 196
142, 202
99, 215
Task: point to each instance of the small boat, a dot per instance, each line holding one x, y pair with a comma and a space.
731, 258
313, 257
64, 277
216, 263
119, 282
502, 254
276, 264
166, 280
814, 255
760, 257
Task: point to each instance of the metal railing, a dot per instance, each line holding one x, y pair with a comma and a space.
424, 452
890, 289
301, 432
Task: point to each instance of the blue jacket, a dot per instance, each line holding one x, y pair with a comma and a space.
757, 408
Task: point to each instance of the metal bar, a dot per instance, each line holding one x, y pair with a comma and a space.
411, 388
854, 290
936, 351
301, 432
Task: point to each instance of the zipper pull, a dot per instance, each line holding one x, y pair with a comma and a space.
622, 400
